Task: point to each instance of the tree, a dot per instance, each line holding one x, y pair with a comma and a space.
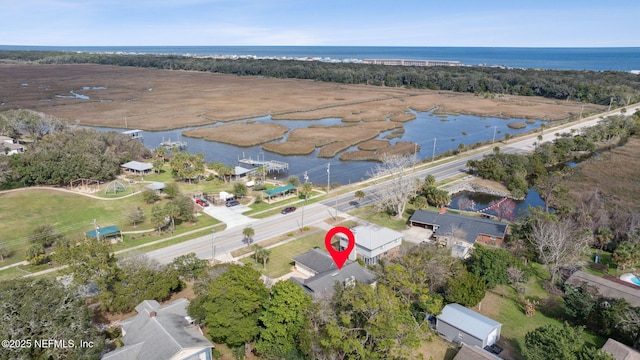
359, 195
45, 309
248, 233
36, 254
504, 209
45, 235
626, 254
263, 254
399, 187
232, 305
293, 181
557, 243
490, 264
283, 318
157, 163
150, 196
136, 216
361, 322
4, 252
90, 261
141, 279
559, 342
547, 186
189, 266
171, 190
420, 202
307, 188
161, 151
239, 190
466, 289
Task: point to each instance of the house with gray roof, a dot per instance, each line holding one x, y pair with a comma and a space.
607, 287
8, 146
620, 351
161, 332
459, 232
324, 273
137, 167
373, 242
458, 324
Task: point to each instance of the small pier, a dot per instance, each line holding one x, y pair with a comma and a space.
170, 144
270, 165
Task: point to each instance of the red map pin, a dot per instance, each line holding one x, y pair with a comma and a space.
339, 257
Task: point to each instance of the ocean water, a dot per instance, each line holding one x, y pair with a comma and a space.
597, 59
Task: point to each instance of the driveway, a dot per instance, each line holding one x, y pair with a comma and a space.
416, 234
232, 216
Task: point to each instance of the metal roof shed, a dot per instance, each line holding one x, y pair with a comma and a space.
459, 324
104, 232
137, 167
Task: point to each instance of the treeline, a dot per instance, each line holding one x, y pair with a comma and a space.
58, 153
604, 88
518, 172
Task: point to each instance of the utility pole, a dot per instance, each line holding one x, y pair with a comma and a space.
494, 134
306, 179
95, 226
328, 177
433, 156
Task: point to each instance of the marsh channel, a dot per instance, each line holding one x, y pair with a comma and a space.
446, 132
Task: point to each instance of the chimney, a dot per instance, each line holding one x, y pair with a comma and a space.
153, 314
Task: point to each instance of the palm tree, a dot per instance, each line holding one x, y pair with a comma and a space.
359, 195
256, 251
306, 189
264, 255
248, 233
161, 151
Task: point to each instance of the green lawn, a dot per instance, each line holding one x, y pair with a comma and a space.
72, 215
280, 261
506, 306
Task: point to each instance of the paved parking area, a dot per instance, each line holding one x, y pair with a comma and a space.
416, 234
232, 216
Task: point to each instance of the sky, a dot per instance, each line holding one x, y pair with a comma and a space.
488, 23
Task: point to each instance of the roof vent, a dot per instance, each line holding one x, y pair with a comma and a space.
153, 314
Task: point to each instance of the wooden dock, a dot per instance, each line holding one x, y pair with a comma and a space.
170, 144
270, 165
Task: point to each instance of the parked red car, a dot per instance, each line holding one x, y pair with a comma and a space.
202, 203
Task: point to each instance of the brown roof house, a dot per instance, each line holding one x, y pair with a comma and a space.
161, 332
372, 243
459, 232
323, 274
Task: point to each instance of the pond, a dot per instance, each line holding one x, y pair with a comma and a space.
482, 201
435, 134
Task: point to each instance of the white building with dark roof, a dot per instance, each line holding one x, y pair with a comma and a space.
161, 332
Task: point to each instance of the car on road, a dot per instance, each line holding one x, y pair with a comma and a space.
288, 209
231, 203
202, 203
354, 204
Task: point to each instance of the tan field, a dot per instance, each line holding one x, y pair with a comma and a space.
151, 99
